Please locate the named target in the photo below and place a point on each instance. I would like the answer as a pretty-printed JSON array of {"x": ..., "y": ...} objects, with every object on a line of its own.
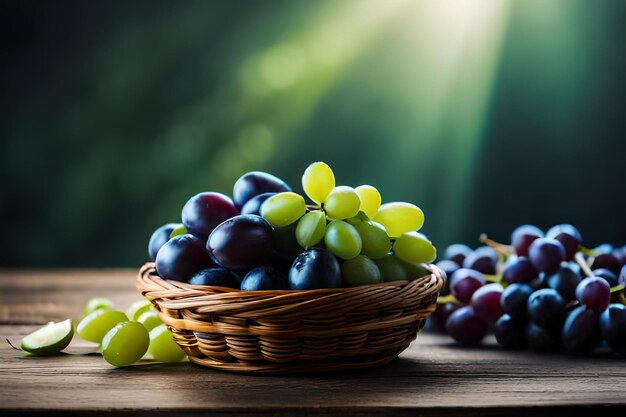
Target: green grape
[
  {"x": 370, "y": 199},
  {"x": 97, "y": 324},
  {"x": 137, "y": 308},
  {"x": 399, "y": 218},
  {"x": 311, "y": 229},
  {"x": 392, "y": 269},
  {"x": 360, "y": 271},
  {"x": 283, "y": 209},
  {"x": 414, "y": 248},
  {"x": 318, "y": 181},
  {"x": 125, "y": 343},
  {"x": 178, "y": 230},
  {"x": 285, "y": 240},
  {"x": 150, "y": 320},
  {"x": 50, "y": 339},
  {"x": 162, "y": 347},
  {"x": 375, "y": 242},
  {"x": 342, "y": 239},
  {"x": 97, "y": 303},
  {"x": 414, "y": 271},
  {"x": 342, "y": 203}
]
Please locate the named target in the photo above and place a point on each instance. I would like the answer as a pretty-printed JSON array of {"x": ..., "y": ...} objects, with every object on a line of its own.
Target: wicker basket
[{"x": 278, "y": 332}]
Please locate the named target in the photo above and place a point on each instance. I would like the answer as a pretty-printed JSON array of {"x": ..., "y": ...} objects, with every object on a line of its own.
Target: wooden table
[{"x": 432, "y": 377}]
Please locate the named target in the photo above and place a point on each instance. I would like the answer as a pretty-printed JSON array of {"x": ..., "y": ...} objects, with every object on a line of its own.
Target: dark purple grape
[
  {"x": 204, "y": 211},
  {"x": 484, "y": 259},
  {"x": 541, "y": 339},
  {"x": 486, "y": 302},
  {"x": 603, "y": 248},
  {"x": 546, "y": 307},
  {"x": 621, "y": 280},
  {"x": 242, "y": 241},
  {"x": 315, "y": 268},
  {"x": 265, "y": 278},
  {"x": 514, "y": 299},
  {"x": 255, "y": 183},
  {"x": 181, "y": 257},
  {"x": 510, "y": 332},
  {"x": 285, "y": 240},
  {"x": 159, "y": 237},
  {"x": 523, "y": 236},
  {"x": 606, "y": 261},
  {"x": 594, "y": 292},
  {"x": 581, "y": 332},
  {"x": 253, "y": 206},
  {"x": 519, "y": 270},
  {"x": 608, "y": 275},
  {"x": 457, "y": 253},
  {"x": 218, "y": 277},
  {"x": 441, "y": 314},
  {"x": 569, "y": 237},
  {"x": 620, "y": 255},
  {"x": 448, "y": 267},
  {"x": 565, "y": 280},
  {"x": 613, "y": 327},
  {"x": 546, "y": 255},
  {"x": 464, "y": 282},
  {"x": 466, "y": 327}
]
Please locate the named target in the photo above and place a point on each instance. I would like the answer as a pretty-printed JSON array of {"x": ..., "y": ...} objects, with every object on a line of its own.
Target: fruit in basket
[
  {"x": 161, "y": 235},
  {"x": 181, "y": 257},
  {"x": 318, "y": 181},
  {"x": 342, "y": 203},
  {"x": 342, "y": 239},
  {"x": 282, "y": 209},
  {"x": 370, "y": 200},
  {"x": 414, "y": 248},
  {"x": 162, "y": 346},
  {"x": 219, "y": 277},
  {"x": 93, "y": 327},
  {"x": 374, "y": 240},
  {"x": 204, "y": 211},
  {"x": 265, "y": 278},
  {"x": 125, "y": 343},
  {"x": 49, "y": 339},
  {"x": 360, "y": 271},
  {"x": 391, "y": 268},
  {"x": 315, "y": 268},
  {"x": 311, "y": 229},
  {"x": 253, "y": 206},
  {"x": 398, "y": 218},
  {"x": 256, "y": 183},
  {"x": 243, "y": 241}
]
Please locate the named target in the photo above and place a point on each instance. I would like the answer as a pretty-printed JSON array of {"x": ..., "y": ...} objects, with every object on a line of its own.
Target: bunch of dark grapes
[{"x": 545, "y": 292}]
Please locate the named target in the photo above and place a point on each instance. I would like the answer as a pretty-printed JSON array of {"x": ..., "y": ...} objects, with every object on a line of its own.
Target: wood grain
[{"x": 432, "y": 377}]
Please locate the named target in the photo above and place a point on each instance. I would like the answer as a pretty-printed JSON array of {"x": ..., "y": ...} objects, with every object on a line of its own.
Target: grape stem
[
  {"x": 580, "y": 260},
  {"x": 11, "y": 344},
  {"x": 499, "y": 247}
]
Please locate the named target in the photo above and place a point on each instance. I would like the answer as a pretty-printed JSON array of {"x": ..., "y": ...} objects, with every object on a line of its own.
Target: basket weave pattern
[{"x": 278, "y": 332}]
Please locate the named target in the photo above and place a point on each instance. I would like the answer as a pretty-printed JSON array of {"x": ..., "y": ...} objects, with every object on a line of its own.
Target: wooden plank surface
[{"x": 432, "y": 377}]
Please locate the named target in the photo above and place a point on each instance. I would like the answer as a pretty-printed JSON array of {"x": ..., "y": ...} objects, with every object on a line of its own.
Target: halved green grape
[
  {"x": 50, "y": 339},
  {"x": 414, "y": 271},
  {"x": 318, "y": 181},
  {"x": 370, "y": 199},
  {"x": 97, "y": 324},
  {"x": 342, "y": 203},
  {"x": 415, "y": 248},
  {"x": 311, "y": 229},
  {"x": 342, "y": 239},
  {"x": 150, "y": 319},
  {"x": 162, "y": 347},
  {"x": 375, "y": 242},
  {"x": 399, "y": 218},
  {"x": 283, "y": 209},
  {"x": 178, "y": 230},
  {"x": 137, "y": 308},
  {"x": 125, "y": 343},
  {"x": 360, "y": 271},
  {"x": 392, "y": 269},
  {"x": 98, "y": 303}
]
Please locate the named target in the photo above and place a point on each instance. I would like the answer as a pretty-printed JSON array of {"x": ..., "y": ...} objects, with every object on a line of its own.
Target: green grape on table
[
  {"x": 150, "y": 319},
  {"x": 98, "y": 303},
  {"x": 318, "y": 181},
  {"x": 125, "y": 343},
  {"x": 342, "y": 203},
  {"x": 370, "y": 199},
  {"x": 342, "y": 239},
  {"x": 50, "y": 339},
  {"x": 360, "y": 271},
  {"x": 392, "y": 269},
  {"x": 311, "y": 229},
  {"x": 415, "y": 248},
  {"x": 283, "y": 209},
  {"x": 162, "y": 347},
  {"x": 93, "y": 327},
  {"x": 137, "y": 308},
  {"x": 398, "y": 218},
  {"x": 375, "y": 242}
]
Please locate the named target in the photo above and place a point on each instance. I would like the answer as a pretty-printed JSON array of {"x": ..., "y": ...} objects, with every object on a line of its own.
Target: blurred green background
[{"x": 485, "y": 113}]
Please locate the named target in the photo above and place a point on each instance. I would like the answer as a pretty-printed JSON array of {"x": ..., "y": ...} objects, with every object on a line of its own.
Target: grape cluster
[
  {"x": 268, "y": 238},
  {"x": 545, "y": 292}
]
